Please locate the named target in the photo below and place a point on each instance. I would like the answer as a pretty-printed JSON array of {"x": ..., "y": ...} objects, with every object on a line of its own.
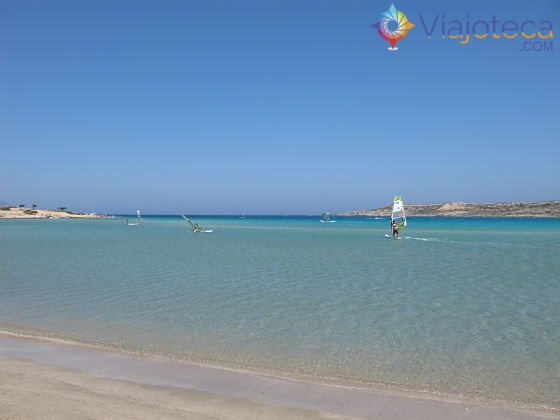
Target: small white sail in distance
[{"x": 138, "y": 217}]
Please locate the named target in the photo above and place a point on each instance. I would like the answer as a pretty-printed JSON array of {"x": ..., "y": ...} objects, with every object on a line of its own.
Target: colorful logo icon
[{"x": 393, "y": 26}]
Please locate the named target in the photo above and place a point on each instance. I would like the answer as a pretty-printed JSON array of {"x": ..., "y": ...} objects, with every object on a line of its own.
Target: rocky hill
[{"x": 509, "y": 209}]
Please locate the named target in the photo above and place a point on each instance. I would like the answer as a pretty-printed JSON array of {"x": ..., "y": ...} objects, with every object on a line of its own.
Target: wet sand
[{"x": 57, "y": 380}]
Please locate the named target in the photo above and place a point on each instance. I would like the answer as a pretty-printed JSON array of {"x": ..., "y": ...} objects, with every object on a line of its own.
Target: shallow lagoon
[{"x": 463, "y": 306}]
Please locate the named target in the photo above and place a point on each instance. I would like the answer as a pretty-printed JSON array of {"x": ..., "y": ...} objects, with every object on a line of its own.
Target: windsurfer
[{"x": 395, "y": 228}]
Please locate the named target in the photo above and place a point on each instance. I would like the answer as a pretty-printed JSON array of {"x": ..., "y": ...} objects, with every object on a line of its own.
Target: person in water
[{"x": 395, "y": 228}]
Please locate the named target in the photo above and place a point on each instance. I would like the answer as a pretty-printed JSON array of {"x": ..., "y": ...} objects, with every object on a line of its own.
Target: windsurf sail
[
  {"x": 138, "y": 217},
  {"x": 326, "y": 217},
  {"x": 195, "y": 226},
  {"x": 398, "y": 212}
]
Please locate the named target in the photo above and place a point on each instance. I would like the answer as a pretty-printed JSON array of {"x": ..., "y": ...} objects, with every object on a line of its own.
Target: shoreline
[
  {"x": 35, "y": 335},
  {"x": 257, "y": 387},
  {"x": 35, "y": 390}
]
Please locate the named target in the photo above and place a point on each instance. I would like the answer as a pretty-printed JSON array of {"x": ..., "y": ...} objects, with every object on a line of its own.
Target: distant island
[
  {"x": 509, "y": 209},
  {"x": 9, "y": 212}
]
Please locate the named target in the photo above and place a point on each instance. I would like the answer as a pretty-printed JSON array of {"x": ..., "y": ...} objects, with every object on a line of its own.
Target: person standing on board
[{"x": 395, "y": 228}]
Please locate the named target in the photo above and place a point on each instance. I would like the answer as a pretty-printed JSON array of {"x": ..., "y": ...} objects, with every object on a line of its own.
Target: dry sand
[{"x": 33, "y": 390}]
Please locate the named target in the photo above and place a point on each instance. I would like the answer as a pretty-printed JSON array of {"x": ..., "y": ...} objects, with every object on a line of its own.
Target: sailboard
[
  {"x": 326, "y": 218},
  {"x": 390, "y": 237}
]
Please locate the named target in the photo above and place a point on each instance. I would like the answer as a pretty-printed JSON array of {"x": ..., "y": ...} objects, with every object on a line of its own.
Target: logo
[
  {"x": 393, "y": 26},
  {"x": 532, "y": 35}
]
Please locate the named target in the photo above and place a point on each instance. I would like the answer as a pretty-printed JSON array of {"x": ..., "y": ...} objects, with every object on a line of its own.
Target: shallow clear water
[{"x": 463, "y": 306}]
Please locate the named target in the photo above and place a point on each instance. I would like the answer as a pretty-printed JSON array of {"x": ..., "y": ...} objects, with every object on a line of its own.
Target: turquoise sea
[{"x": 467, "y": 307}]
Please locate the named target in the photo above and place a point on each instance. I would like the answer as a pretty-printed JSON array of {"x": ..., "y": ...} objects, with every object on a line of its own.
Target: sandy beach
[
  {"x": 40, "y": 379},
  {"x": 28, "y": 213}
]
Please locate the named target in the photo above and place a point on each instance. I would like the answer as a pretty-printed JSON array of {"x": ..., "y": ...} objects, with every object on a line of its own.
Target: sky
[{"x": 270, "y": 106}]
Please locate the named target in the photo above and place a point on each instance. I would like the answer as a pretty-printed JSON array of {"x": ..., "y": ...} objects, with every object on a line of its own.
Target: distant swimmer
[{"x": 395, "y": 228}]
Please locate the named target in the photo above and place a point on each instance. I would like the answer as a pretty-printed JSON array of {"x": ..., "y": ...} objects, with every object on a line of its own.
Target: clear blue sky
[{"x": 269, "y": 106}]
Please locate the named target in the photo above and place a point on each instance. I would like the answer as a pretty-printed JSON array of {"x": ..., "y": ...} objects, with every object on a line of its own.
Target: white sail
[
  {"x": 138, "y": 217},
  {"x": 398, "y": 214}
]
